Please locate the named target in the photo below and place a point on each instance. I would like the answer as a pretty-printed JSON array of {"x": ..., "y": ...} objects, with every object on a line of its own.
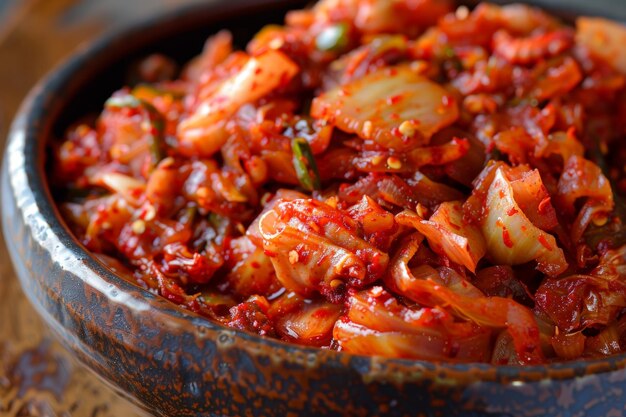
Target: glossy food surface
[
  {"x": 175, "y": 362},
  {"x": 404, "y": 179}
]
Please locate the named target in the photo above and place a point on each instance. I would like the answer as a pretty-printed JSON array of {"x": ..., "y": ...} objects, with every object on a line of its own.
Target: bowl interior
[{"x": 87, "y": 82}]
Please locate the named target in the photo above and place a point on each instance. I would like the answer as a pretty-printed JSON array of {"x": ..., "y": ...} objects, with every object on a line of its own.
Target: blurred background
[{"x": 38, "y": 378}]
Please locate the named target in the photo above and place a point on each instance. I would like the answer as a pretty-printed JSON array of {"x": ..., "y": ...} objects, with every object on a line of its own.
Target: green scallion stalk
[
  {"x": 304, "y": 163},
  {"x": 333, "y": 38},
  {"x": 155, "y": 123}
]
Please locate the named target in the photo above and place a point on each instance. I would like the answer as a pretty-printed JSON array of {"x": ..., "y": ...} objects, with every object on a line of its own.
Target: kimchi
[{"x": 400, "y": 178}]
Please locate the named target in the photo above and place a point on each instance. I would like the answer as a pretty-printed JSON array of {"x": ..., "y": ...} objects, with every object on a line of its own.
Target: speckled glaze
[{"x": 174, "y": 363}]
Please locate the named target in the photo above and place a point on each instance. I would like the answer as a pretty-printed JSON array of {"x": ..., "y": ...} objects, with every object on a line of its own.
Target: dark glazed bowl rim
[{"x": 32, "y": 127}]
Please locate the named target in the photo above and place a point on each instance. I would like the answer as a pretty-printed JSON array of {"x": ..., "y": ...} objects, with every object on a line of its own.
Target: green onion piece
[
  {"x": 119, "y": 102},
  {"x": 190, "y": 215},
  {"x": 305, "y": 165},
  {"x": 453, "y": 59},
  {"x": 332, "y": 38},
  {"x": 156, "y": 141},
  {"x": 448, "y": 52},
  {"x": 155, "y": 123}
]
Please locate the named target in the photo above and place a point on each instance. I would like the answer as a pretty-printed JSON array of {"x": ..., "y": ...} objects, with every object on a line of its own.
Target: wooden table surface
[{"x": 37, "y": 376}]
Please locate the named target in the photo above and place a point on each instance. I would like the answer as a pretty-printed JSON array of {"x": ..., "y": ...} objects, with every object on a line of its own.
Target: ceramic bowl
[{"x": 175, "y": 363}]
